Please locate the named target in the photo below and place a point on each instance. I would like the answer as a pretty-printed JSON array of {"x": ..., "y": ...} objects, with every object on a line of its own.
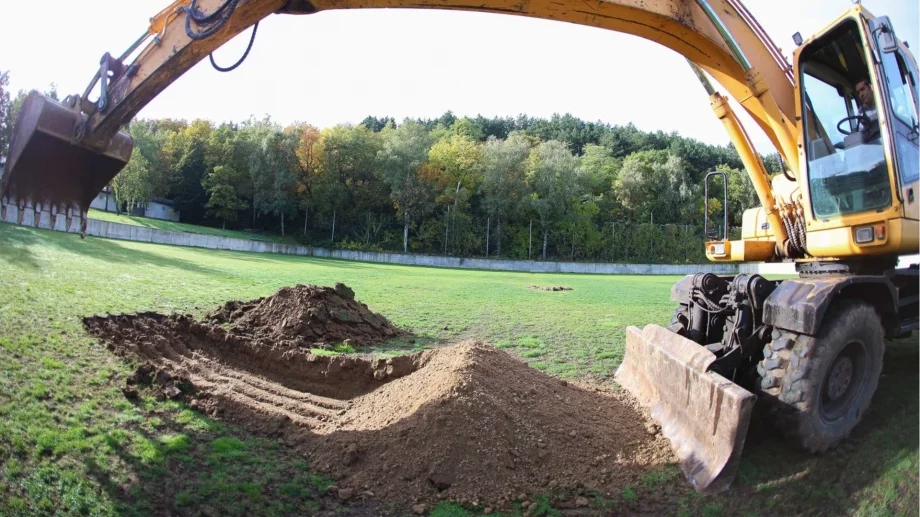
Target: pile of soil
[
  {"x": 305, "y": 315},
  {"x": 467, "y": 423},
  {"x": 474, "y": 424},
  {"x": 549, "y": 288}
]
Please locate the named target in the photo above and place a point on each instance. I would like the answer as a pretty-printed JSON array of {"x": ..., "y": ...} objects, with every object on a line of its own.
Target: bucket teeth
[
  {"x": 47, "y": 167},
  {"x": 704, "y": 415}
]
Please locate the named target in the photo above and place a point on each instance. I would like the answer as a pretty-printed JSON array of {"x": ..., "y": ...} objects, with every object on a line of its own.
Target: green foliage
[
  {"x": 629, "y": 494},
  {"x": 185, "y": 152},
  {"x": 223, "y": 201},
  {"x": 457, "y": 157},
  {"x": 337, "y": 349},
  {"x": 655, "y": 186},
  {"x": 504, "y": 168},
  {"x": 405, "y": 151},
  {"x": 553, "y": 178},
  {"x": 275, "y": 165},
  {"x": 457, "y": 186},
  {"x": 342, "y": 348},
  {"x": 350, "y": 183},
  {"x": 6, "y": 121},
  {"x": 448, "y": 509},
  {"x": 227, "y": 447}
]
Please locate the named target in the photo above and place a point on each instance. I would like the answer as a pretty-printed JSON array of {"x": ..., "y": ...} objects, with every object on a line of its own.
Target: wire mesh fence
[{"x": 465, "y": 236}]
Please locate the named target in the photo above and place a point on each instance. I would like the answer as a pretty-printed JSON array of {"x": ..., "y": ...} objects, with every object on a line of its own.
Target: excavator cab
[
  {"x": 859, "y": 132},
  {"x": 846, "y": 159}
]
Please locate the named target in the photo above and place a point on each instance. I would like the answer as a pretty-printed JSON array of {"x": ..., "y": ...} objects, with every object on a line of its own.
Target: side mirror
[{"x": 885, "y": 34}]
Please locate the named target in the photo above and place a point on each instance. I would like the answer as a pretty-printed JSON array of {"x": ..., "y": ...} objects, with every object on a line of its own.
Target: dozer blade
[
  {"x": 47, "y": 168},
  {"x": 704, "y": 415}
]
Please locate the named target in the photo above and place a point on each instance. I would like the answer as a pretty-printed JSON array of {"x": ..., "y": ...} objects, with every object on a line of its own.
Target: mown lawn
[
  {"x": 71, "y": 444},
  {"x": 160, "y": 224}
]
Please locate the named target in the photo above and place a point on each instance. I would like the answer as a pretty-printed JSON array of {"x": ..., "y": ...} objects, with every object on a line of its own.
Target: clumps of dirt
[
  {"x": 549, "y": 288},
  {"x": 305, "y": 315},
  {"x": 164, "y": 384},
  {"x": 467, "y": 423},
  {"x": 189, "y": 349}
]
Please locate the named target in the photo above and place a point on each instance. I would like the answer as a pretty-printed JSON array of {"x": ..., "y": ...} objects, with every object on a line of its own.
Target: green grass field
[
  {"x": 71, "y": 444},
  {"x": 160, "y": 224}
]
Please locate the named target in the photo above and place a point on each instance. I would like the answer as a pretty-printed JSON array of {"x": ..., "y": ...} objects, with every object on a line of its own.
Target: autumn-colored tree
[{"x": 310, "y": 158}]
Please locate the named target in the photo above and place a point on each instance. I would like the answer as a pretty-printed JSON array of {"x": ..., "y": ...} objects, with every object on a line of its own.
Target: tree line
[{"x": 525, "y": 187}]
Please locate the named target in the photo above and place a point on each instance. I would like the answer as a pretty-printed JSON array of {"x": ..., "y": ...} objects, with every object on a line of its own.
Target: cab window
[
  {"x": 847, "y": 170},
  {"x": 900, "y": 85}
]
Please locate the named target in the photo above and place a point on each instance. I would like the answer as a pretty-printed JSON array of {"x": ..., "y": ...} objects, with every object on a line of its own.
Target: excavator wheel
[{"x": 818, "y": 387}]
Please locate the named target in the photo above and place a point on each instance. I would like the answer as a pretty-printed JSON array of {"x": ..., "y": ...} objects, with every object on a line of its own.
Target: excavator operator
[
  {"x": 866, "y": 98},
  {"x": 867, "y": 108}
]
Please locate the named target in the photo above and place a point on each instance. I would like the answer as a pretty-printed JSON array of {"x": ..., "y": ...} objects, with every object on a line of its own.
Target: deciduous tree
[
  {"x": 405, "y": 150},
  {"x": 504, "y": 167},
  {"x": 552, "y": 177}
]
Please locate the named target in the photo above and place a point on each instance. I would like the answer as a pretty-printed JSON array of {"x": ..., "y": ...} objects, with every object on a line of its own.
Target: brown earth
[
  {"x": 549, "y": 288},
  {"x": 467, "y": 423},
  {"x": 305, "y": 315}
]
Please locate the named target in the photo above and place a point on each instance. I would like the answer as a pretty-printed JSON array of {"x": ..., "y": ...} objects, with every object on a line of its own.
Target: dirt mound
[
  {"x": 467, "y": 423},
  {"x": 305, "y": 315},
  {"x": 549, "y": 288},
  {"x": 473, "y": 423}
]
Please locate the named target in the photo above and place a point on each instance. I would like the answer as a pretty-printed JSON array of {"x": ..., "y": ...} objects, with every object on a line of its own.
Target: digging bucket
[
  {"x": 704, "y": 415},
  {"x": 47, "y": 167}
]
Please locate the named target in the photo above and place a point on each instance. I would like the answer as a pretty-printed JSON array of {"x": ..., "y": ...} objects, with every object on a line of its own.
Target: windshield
[{"x": 847, "y": 171}]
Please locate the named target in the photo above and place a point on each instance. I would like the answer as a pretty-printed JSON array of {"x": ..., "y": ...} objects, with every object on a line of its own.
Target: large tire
[{"x": 818, "y": 387}]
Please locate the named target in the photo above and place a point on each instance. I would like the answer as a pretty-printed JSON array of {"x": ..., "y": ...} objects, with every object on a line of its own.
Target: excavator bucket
[
  {"x": 704, "y": 415},
  {"x": 47, "y": 169}
]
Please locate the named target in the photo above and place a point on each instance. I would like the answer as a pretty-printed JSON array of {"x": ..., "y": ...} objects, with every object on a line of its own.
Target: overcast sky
[{"x": 340, "y": 66}]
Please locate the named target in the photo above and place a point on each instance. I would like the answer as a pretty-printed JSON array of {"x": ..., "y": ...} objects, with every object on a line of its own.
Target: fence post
[
  {"x": 530, "y": 240},
  {"x": 613, "y": 240},
  {"x": 488, "y": 224},
  {"x": 446, "y": 228},
  {"x": 333, "y": 226}
]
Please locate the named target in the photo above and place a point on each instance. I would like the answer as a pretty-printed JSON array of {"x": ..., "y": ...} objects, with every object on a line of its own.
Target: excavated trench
[{"x": 465, "y": 422}]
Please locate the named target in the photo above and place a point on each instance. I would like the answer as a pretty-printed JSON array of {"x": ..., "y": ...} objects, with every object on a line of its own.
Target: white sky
[{"x": 340, "y": 66}]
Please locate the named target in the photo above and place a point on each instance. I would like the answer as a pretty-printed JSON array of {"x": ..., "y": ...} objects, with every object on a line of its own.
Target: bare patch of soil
[
  {"x": 548, "y": 288},
  {"x": 467, "y": 423}
]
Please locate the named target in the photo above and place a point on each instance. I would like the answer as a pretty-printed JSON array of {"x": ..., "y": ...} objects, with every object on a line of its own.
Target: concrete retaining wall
[{"x": 110, "y": 230}]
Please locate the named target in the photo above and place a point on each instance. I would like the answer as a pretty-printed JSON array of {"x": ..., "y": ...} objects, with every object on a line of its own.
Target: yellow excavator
[{"x": 843, "y": 118}]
